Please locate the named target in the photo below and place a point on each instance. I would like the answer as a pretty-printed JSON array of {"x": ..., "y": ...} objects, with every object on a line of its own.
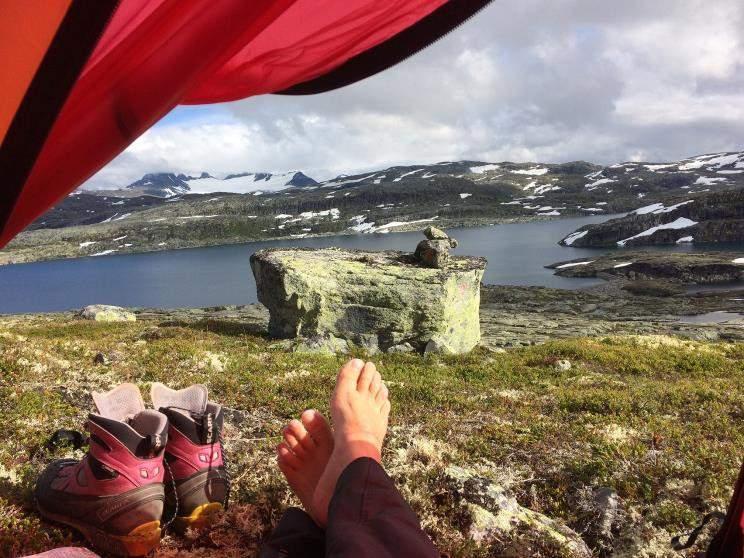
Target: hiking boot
[
  {"x": 114, "y": 495},
  {"x": 197, "y": 485}
]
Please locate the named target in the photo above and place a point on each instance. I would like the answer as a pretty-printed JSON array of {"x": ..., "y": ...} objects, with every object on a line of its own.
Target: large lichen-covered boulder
[
  {"x": 107, "y": 313},
  {"x": 377, "y": 300}
]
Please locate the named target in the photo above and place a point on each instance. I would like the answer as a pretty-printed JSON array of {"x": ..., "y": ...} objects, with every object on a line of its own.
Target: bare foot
[
  {"x": 359, "y": 409},
  {"x": 304, "y": 454}
]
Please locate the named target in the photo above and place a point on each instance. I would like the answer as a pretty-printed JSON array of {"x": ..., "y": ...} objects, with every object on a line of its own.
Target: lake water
[{"x": 222, "y": 275}]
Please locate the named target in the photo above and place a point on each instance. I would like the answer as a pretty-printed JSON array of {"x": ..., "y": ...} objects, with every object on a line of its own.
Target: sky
[{"x": 524, "y": 80}]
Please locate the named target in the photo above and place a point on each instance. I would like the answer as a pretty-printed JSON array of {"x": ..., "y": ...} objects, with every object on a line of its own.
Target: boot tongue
[
  {"x": 121, "y": 403},
  {"x": 192, "y": 399}
]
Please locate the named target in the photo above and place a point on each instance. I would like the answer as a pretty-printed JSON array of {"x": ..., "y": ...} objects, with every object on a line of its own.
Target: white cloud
[{"x": 522, "y": 81}]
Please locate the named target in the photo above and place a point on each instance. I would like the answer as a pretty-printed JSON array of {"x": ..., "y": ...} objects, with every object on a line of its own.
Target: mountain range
[
  {"x": 173, "y": 210},
  {"x": 168, "y": 184}
]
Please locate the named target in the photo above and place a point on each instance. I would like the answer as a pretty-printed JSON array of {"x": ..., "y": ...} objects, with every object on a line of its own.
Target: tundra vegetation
[{"x": 648, "y": 424}]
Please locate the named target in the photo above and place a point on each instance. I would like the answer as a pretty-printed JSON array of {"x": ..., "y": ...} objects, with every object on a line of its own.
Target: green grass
[{"x": 657, "y": 419}]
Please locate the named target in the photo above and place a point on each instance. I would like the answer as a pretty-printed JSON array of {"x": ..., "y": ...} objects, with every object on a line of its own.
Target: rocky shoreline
[
  {"x": 698, "y": 268},
  {"x": 512, "y": 316},
  {"x": 64, "y": 244}
]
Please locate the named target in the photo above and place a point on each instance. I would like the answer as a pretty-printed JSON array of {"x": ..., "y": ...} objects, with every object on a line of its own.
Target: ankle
[{"x": 353, "y": 448}]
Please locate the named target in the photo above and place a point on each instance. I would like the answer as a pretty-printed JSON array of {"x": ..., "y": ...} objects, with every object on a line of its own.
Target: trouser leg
[
  {"x": 368, "y": 517},
  {"x": 295, "y": 536}
]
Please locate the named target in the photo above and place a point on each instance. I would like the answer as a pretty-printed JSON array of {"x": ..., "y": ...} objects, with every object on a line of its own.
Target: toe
[
  {"x": 376, "y": 384},
  {"x": 286, "y": 459},
  {"x": 318, "y": 427},
  {"x": 382, "y": 394},
  {"x": 349, "y": 375},
  {"x": 366, "y": 377},
  {"x": 293, "y": 443},
  {"x": 385, "y": 409},
  {"x": 298, "y": 430}
]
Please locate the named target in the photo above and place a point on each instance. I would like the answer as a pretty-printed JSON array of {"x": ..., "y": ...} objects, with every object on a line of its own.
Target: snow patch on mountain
[
  {"x": 679, "y": 223},
  {"x": 571, "y": 238},
  {"x": 484, "y": 168},
  {"x": 535, "y": 171}
]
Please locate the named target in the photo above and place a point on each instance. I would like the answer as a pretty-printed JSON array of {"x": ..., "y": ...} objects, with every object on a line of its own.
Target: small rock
[
  {"x": 434, "y": 233},
  {"x": 402, "y": 348},
  {"x": 323, "y": 344},
  {"x": 152, "y": 333},
  {"x": 607, "y": 506},
  {"x": 433, "y": 253},
  {"x": 283, "y": 345},
  {"x": 100, "y": 358},
  {"x": 437, "y": 346},
  {"x": 600, "y": 516},
  {"x": 563, "y": 365},
  {"x": 107, "y": 313},
  {"x": 107, "y": 358}
]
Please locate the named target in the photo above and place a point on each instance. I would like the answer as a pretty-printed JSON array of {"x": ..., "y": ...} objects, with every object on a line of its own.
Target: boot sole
[
  {"x": 140, "y": 541},
  {"x": 202, "y": 516}
]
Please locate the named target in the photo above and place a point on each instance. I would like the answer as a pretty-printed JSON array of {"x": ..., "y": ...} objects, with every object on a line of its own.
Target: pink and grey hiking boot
[
  {"x": 197, "y": 485},
  {"x": 115, "y": 494}
]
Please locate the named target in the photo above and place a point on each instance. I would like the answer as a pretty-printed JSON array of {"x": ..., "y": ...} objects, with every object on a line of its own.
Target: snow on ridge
[
  {"x": 244, "y": 184},
  {"x": 658, "y": 208},
  {"x": 406, "y": 174},
  {"x": 336, "y": 182},
  {"x": 679, "y": 223},
  {"x": 593, "y": 185},
  {"x": 87, "y": 243},
  {"x": 685, "y": 239},
  {"x": 465, "y": 195},
  {"x": 654, "y": 168},
  {"x": 738, "y": 260},
  {"x": 574, "y": 264},
  {"x": 480, "y": 169},
  {"x": 623, "y": 264},
  {"x": 546, "y": 188},
  {"x": 534, "y": 171},
  {"x": 366, "y": 228},
  {"x": 705, "y": 181},
  {"x": 388, "y": 226},
  {"x": 104, "y": 253},
  {"x": 571, "y": 238}
]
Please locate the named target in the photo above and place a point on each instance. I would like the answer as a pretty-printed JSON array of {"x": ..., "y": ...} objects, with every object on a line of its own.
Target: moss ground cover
[{"x": 655, "y": 418}]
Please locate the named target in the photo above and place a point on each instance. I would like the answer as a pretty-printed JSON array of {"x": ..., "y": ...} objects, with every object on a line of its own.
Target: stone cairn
[{"x": 434, "y": 251}]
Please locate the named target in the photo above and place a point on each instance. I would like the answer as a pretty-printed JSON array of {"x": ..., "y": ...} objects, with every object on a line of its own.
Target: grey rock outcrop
[
  {"x": 377, "y": 300},
  {"x": 495, "y": 515},
  {"x": 107, "y": 313}
]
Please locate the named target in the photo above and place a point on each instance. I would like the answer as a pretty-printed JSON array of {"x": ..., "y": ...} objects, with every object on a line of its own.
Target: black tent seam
[{"x": 393, "y": 51}]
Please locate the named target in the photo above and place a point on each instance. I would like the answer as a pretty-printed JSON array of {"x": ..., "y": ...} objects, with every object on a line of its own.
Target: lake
[{"x": 221, "y": 275}]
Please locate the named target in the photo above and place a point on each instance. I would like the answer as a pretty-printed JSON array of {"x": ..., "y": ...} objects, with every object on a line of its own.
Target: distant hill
[{"x": 163, "y": 211}]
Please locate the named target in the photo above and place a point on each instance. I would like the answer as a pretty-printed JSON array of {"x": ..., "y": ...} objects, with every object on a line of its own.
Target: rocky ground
[{"x": 591, "y": 421}]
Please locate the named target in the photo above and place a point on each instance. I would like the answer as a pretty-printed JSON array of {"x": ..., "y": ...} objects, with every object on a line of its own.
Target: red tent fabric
[{"x": 112, "y": 69}]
